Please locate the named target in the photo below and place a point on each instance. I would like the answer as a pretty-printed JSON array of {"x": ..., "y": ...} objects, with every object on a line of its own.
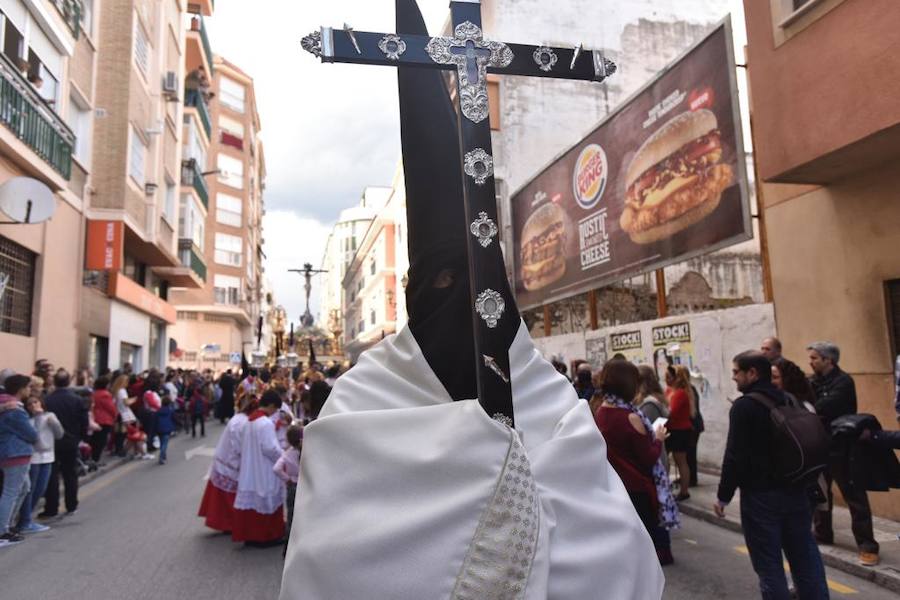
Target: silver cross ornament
[
  {"x": 472, "y": 55},
  {"x": 484, "y": 229},
  {"x": 490, "y": 306},
  {"x": 479, "y": 165},
  {"x": 392, "y": 46}
]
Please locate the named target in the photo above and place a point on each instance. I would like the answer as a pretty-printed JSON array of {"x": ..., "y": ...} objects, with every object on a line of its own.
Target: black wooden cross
[{"x": 472, "y": 57}]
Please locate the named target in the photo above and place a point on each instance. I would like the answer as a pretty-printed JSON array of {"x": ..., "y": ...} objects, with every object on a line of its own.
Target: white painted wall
[{"x": 132, "y": 327}]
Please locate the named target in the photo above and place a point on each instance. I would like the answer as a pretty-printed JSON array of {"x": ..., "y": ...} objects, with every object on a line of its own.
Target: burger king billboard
[{"x": 660, "y": 180}]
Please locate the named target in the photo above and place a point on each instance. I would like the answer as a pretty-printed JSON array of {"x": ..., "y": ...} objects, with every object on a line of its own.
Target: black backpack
[{"x": 801, "y": 444}]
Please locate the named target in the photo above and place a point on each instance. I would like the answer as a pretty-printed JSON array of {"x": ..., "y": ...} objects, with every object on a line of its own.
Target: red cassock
[
  {"x": 258, "y": 514},
  {"x": 251, "y": 526},
  {"x": 217, "y": 507}
]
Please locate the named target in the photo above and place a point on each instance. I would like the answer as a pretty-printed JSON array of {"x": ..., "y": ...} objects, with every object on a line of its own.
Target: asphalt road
[
  {"x": 712, "y": 562},
  {"x": 136, "y": 536}
]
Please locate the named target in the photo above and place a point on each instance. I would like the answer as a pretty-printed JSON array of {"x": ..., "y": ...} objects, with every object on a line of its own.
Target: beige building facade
[
  {"x": 48, "y": 64},
  {"x": 221, "y": 225},
  {"x": 133, "y": 217},
  {"x": 370, "y": 286},
  {"x": 827, "y": 158}
]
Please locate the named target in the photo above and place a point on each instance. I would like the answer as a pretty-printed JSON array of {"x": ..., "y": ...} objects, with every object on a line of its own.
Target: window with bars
[{"x": 17, "y": 267}]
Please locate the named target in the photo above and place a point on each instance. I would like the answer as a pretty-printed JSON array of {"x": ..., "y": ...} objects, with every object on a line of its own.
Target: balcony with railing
[
  {"x": 192, "y": 176},
  {"x": 194, "y": 99},
  {"x": 32, "y": 120},
  {"x": 199, "y": 50},
  {"x": 190, "y": 257}
]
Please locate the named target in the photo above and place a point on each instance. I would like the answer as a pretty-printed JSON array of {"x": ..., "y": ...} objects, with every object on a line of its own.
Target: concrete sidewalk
[{"x": 842, "y": 555}]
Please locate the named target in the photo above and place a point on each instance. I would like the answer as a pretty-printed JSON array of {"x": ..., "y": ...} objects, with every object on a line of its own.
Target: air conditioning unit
[{"x": 170, "y": 83}]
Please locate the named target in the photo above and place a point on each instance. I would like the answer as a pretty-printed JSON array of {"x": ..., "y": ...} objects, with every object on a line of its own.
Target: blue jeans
[
  {"x": 39, "y": 476},
  {"x": 776, "y": 521},
  {"x": 15, "y": 487},
  {"x": 163, "y": 446}
]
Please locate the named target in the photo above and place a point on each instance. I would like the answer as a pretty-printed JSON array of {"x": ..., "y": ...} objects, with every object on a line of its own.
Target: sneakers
[
  {"x": 34, "y": 528},
  {"x": 9, "y": 538},
  {"x": 868, "y": 559},
  {"x": 147, "y": 457}
]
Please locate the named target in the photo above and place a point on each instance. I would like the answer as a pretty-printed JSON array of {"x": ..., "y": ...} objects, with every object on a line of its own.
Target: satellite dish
[{"x": 26, "y": 200}]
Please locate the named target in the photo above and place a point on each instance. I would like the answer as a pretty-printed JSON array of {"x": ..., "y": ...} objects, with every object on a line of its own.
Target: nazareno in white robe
[{"x": 406, "y": 495}]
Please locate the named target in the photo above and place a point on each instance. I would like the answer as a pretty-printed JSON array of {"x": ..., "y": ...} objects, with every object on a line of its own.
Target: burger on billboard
[
  {"x": 675, "y": 178},
  {"x": 661, "y": 179},
  {"x": 543, "y": 247},
  {"x": 590, "y": 176}
]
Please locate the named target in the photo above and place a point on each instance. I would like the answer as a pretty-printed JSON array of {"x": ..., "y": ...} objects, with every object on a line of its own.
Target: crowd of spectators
[{"x": 54, "y": 426}]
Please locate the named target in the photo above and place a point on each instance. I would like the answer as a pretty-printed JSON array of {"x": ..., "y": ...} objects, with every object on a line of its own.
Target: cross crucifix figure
[
  {"x": 307, "y": 271},
  {"x": 472, "y": 57}
]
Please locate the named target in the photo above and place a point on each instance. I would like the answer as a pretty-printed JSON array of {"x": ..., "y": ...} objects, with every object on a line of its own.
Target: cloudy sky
[{"x": 329, "y": 130}]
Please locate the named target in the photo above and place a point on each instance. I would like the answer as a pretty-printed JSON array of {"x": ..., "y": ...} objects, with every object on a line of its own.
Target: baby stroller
[{"x": 84, "y": 464}]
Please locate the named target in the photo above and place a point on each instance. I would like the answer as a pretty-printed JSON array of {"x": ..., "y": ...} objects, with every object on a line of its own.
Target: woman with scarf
[{"x": 634, "y": 449}]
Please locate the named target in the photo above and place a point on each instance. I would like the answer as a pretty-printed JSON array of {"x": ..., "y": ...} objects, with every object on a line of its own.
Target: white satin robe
[{"x": 397, "y": 482}]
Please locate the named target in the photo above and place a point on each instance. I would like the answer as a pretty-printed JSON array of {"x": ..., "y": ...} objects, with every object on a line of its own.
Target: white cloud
[
  {"x": 292, "y": 240},
  {"x": 329, "y": 130}
]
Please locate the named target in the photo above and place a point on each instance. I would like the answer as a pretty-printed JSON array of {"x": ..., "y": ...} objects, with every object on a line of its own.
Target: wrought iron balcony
[
  {"x": 199, "y": 25},
  {"x": 72, "y": 12},
  {"x": 32, "y": 120},
  {"x": 190, "y": 257},
  {"x": 192, "y": 175},
  {"x": 194, "y": 99}
]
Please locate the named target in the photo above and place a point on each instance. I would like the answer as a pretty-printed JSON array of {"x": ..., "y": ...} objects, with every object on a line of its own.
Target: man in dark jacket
[
  {"x": 775, "y": 516},
  {"x": 836, "y": 397},
  {"x": 225, "y": 408},
  {"x": 72, "y": 413}
]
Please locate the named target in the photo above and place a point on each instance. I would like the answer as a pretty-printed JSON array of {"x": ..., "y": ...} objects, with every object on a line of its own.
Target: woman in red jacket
[
  {"x": 632, "y": 449},
  {"x": 682, "y": 408},
  {"x": 105, "y": 413}
]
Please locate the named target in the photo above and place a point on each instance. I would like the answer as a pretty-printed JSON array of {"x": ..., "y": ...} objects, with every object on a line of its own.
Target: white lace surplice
[
  {"x": 259, "y": 488},
  {"x": 223, "y": 472},
  {"x": 406, "y": 495}
]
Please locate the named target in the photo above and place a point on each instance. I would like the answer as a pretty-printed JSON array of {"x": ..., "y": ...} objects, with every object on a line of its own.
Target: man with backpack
[
  {"x": 775, "y": 508},
  {"x": 835, "y": 397}
]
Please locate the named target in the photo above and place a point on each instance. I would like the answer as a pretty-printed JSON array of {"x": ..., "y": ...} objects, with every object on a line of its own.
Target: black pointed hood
[
  {"x": 440, "y": 318},
  {"x": 431, "y": 157}
]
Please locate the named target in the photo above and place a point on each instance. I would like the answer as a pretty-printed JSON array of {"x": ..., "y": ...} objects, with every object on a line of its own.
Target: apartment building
[
  {"x": 220, "y": 232},
  {"x": 370, "y": 287},
  {"x": 131, "y": 232},
  {"x": 48, "y": 65},
  {"x": 340, "y": 250},
  {"x": 827, "y": 129}
]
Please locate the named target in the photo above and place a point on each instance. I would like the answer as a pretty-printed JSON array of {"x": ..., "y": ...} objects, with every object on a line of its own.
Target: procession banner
[{"x": 660, "y": 180}]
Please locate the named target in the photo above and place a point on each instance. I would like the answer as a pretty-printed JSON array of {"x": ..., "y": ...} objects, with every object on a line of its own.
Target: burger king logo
[{"x": 589, "y": 179}]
